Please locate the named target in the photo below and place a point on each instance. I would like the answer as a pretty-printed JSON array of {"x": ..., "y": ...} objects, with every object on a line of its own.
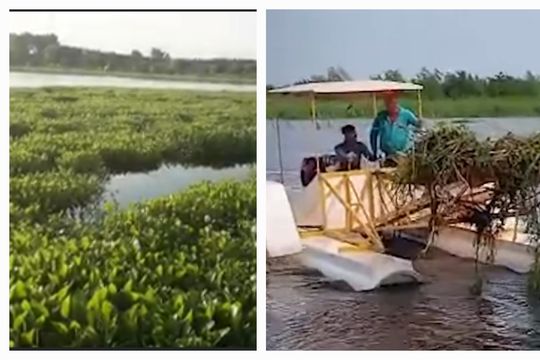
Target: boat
[{"x": 337, "y": 222}]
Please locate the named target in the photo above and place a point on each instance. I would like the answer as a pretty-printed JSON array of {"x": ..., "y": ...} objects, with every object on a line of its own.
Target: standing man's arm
[
  {"x": 364, "y": 151},
  {"x": 414, "y": 121},
  {"x": 374, "y": 136}
]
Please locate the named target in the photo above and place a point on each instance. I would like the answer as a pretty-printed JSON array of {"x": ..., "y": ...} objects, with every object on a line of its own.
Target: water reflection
[{"x": 134, "y": 187}]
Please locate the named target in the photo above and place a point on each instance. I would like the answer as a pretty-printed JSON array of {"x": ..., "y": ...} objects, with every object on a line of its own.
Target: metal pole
[
  {"x": 314, "y": 120},
  {"x": 375, "y": 112},
  {"x": 279, "y": 151},
  {"x": 419, "y": 99}
]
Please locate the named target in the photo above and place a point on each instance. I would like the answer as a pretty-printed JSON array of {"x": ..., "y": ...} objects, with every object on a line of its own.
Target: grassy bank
[
  {"x": 177, "y": 271},
  {"x": 299, "y": 108},
  {"x": 191, "y": 78}
]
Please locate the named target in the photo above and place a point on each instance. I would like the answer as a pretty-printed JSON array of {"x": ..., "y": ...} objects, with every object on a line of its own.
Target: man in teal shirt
[{"x": 393, "y": 128}]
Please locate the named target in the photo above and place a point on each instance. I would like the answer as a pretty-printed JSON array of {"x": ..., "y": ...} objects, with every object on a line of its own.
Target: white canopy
[{"x": 348, "y": 87}]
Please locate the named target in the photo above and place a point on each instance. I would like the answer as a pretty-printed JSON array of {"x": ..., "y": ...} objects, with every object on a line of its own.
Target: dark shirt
[{"x": 358, "y": 147}]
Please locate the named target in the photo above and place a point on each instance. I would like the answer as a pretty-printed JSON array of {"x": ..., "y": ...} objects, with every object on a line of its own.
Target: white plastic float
[
  {"x": 514, "y": 254},
  {"x": 360, "y": 268},
  {"x": 281, "y": 235}
]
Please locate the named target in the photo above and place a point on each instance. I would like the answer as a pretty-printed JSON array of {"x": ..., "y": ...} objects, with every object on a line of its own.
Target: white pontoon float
[{"x": 337, "y": 222}]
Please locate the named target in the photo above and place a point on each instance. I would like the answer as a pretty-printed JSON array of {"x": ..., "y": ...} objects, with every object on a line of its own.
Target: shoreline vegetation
[
  {"x": 46, "y": 54},
  {"x": 294, "y": 108},
  {"x": 445, "y": 95}
]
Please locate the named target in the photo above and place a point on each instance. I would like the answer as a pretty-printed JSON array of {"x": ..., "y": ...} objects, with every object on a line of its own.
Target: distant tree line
[
  {"x": 455, "y": 85},
  {"x": 46, "y": 51}
]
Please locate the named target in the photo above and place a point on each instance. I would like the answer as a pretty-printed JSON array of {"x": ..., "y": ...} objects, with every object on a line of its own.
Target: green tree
[
  {"x": 431, "y": 81},
  {"x": 51, "y": 54},
  {"x": 45, "y": 50}
]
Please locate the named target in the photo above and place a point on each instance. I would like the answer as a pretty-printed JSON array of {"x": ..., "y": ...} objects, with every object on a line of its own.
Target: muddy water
[{"x": 306, "y": 312}]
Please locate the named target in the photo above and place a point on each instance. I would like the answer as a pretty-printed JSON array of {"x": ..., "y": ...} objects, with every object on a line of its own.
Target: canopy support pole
[
  {"x": 279, "y": 151},
  {"x": 313, "y": 107},
  {"x": 314, "y": 120},
  {"x": 374, "y": 101},
  {"x": 419, "y": 98}
]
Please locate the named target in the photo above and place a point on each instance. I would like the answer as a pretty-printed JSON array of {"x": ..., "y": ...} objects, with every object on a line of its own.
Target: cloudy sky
[
  {"x": 188, "y": 35},
  {"x": 367, "y": 42}
]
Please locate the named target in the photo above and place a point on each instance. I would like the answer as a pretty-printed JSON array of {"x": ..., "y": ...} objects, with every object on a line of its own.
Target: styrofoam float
[
  {"x": 514, "y": 254},
  {"x": 360, "y": 269}
]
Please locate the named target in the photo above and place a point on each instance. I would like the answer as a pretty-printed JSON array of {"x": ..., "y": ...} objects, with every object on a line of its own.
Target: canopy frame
[{"x": 346, "y": 89}]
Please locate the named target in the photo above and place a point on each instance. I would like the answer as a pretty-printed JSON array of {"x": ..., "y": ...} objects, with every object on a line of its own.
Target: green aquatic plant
[
  {"x": 174, "y": 272},
  {"x": 55, "y": 191},
  {"x": 131, "y": 130},
  {"x": 152, "y": 275}
]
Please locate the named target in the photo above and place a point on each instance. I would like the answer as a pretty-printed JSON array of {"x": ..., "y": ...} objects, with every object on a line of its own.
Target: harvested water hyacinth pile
[{"x": 452, "y": 155}]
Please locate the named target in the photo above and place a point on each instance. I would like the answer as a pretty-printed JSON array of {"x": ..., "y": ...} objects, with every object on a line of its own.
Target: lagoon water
[
  {"x": 36, "y": 80},
  {"x": 304, "y": 311},
  {"x": 135, "y": 187}
]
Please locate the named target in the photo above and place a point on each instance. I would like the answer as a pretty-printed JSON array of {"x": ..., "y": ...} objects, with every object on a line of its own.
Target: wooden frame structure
[
  {"x": 359, "y": 206},
  {"x": 359, "y": 202}
]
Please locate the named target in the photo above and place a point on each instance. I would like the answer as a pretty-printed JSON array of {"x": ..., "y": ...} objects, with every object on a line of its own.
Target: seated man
[
  {"x": 393, "y": 128},
  {"x": 350, "y": 151}
]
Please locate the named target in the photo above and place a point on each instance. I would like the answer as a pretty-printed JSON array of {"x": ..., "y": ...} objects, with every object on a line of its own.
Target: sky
[
  {"x": 368, "y": 42},
  {"x": 182, "y": 35}
]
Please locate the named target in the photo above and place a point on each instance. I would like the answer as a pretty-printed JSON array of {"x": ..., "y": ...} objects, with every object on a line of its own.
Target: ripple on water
[{"x": 306, "y": 312}]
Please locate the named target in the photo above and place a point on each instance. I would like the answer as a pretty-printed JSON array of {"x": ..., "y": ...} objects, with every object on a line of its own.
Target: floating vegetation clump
[
  {"x": 173, "y": 272},
  {"x": 449, "y": 162},
  {"x": 129, "y": 130},
  {"x": 443, "y": 156}
]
